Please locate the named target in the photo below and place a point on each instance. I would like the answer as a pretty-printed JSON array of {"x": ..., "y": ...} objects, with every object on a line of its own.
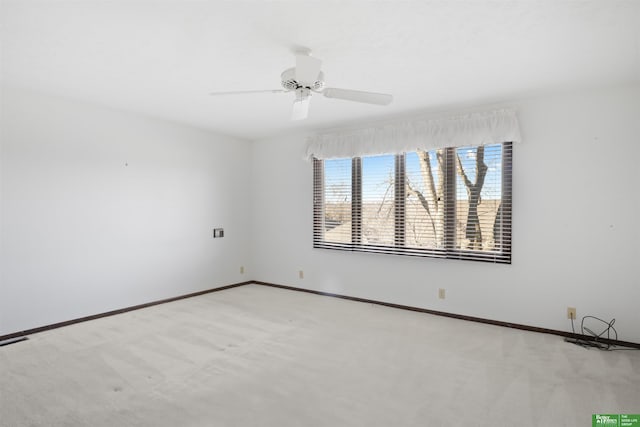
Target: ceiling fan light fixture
[{"x": 301, "y": 104}]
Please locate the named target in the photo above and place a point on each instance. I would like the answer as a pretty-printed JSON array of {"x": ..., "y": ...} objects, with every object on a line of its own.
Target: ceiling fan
[{"x": 305, "y": 79}]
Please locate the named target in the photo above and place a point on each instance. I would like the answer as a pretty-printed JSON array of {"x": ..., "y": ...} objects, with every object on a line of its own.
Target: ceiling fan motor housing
[{"x": 289, "y": 81}]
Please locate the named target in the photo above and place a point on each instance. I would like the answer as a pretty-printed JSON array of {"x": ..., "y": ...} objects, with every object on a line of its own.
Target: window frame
[{"x": 501, "y": 255}]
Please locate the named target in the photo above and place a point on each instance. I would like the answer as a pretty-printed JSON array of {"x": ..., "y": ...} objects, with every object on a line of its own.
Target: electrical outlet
[
  {"x": 441, "y": 293},
  {"x": 301, "y": 274},
  {"x": 571, "y": 312},
  {"x": 242, "y": 269}
]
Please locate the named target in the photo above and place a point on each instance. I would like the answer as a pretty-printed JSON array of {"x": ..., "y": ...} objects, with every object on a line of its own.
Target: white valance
[{"x": 469, "y": 130}]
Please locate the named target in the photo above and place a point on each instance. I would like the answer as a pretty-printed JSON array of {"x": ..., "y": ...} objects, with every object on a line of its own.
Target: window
[{"x": 447, "y": 203}]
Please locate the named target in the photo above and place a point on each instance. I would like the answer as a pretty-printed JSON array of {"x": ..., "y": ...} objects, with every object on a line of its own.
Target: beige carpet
[{"x": 259, "y": 356}]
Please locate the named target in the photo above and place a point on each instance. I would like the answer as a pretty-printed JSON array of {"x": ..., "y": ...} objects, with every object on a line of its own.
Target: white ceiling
[{"x": 162, "y": 58}]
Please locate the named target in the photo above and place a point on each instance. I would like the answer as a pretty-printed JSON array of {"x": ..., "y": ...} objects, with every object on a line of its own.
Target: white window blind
[{"x": 449, "y": 203}]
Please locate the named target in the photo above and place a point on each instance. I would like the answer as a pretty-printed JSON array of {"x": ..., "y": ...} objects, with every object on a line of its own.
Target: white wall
[
  {"x": 82, "y": 233},
  {"x": 103, "y": 210},
  {"x": 575, "y": 235}
]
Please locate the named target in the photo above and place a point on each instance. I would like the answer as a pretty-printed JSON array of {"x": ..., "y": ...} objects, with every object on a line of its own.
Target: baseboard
[
  {"x": 328, "y": 294},
  {"x": 114, "y": 312},
  {"x": 459, "y": 316}
]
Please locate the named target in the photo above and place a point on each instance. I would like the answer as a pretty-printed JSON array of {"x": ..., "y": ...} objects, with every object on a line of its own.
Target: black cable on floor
[
  {"x": 12, "y": 341},
  {"x": 596, "y": 337}
]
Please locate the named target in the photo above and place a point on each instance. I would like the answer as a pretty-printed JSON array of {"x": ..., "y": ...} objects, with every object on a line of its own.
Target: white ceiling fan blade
[
  {"x": 300, "y": 108},
  {"x": 245, "y": 92},
  {"x": 358, "y": 96},
  {"x": 307, "y": 69}
]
